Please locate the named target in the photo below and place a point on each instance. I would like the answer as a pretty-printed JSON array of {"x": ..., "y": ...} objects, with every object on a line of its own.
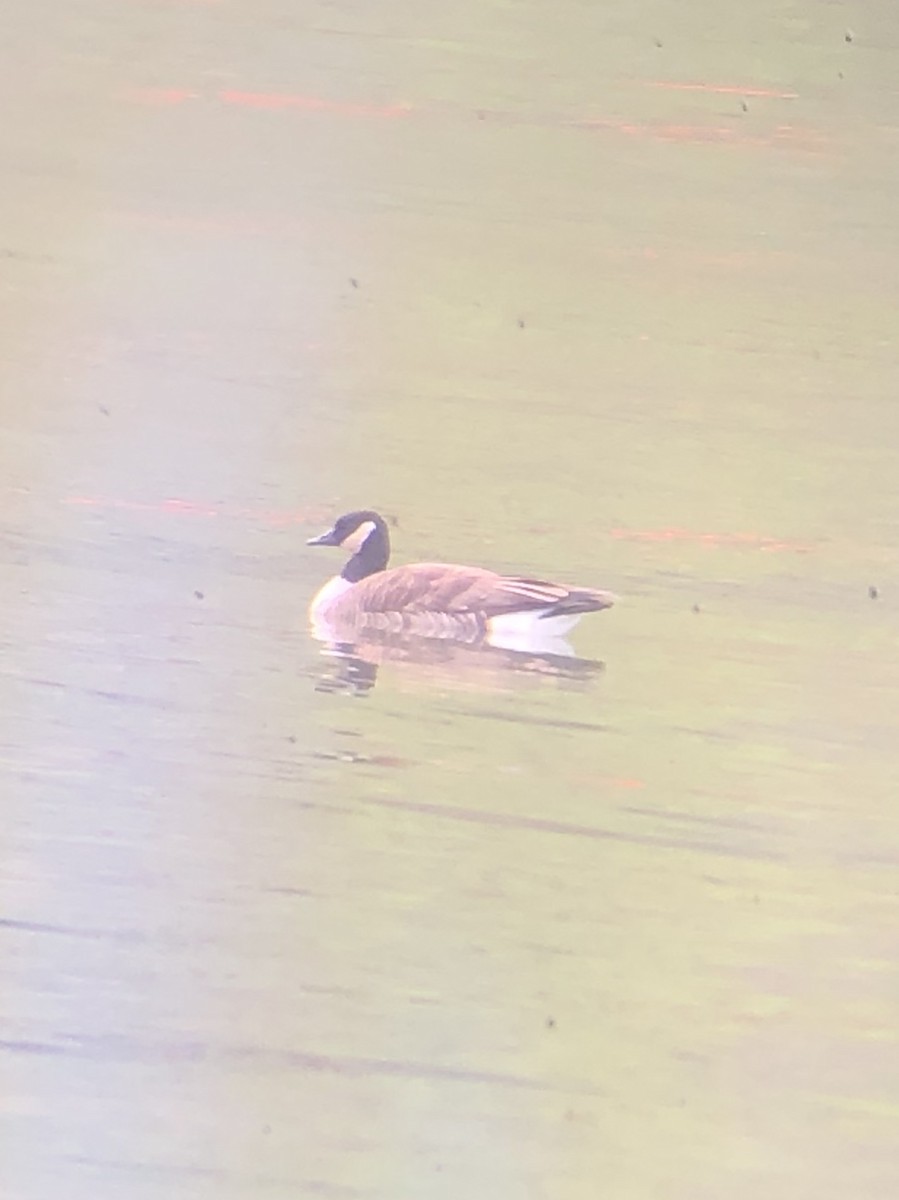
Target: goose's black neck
[{"x": 374, "y": 553}]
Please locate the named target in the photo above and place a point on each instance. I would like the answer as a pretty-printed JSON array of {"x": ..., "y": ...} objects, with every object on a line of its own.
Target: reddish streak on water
[
  {"x": 178, "y": 506},
  {"x": 807, "y": 140},
  {"x": 788, "y": 136},
  {"x": 274, "y": 100},
  {"x": 163, "y": 96},
  {"x": 730, "y": 541},
  {"x": 726, "y": 89}
]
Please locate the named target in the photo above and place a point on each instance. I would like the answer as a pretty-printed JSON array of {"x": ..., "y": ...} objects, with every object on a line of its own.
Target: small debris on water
[
  {"x": 350, "y": 756},
  {"x": 744, "y": 106},
  {"x": 849, "y": 35},
  {"x": 873, "y": 593},
  {"x": 520, "y": 323},
  {"x": 696, "y": 608},
  {"x": 199, "y": 595},
  {"x": 354, "y": 282},
  {"x": 550, "y": 1022}
]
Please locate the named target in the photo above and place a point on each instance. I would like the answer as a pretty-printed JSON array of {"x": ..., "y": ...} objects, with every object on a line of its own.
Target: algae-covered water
[{"x": 600, "y": 295}]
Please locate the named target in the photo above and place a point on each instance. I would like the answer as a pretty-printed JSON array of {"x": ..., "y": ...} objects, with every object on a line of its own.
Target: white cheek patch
[{"x": 358, "y": 536}]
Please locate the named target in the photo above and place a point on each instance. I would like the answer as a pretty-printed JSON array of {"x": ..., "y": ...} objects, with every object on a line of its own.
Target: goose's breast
[{"x": 328, "y": 596}]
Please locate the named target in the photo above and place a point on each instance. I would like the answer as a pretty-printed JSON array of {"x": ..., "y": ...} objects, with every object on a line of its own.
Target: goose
[{"x": 438, "y": 599}]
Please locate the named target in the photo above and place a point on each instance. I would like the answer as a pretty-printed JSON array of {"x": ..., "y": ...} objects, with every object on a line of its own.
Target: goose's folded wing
[
  {"x": 514, "y": 593},
  {"x": 424, "y": 587},
  {"x": 446, "y": 588}
]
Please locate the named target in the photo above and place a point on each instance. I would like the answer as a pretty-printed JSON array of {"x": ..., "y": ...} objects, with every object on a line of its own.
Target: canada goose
[{"x": 437, "y": 599}]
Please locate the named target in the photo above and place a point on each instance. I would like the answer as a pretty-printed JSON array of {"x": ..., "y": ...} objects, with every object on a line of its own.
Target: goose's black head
[{"x": 365, "y": 534}]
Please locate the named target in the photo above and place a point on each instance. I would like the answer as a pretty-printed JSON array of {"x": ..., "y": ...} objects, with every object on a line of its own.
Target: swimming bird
[{"x": 438, "y": 599}]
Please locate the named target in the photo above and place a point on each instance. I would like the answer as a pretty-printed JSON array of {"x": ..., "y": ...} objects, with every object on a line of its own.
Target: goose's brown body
[
  {"x": 456, "y": 591},
  {"x": 436, "y": 599}
]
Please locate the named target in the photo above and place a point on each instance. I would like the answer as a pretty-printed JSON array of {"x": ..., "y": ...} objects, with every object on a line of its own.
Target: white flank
[
  {"x": 531, "y": 622},
  {"x": 527, "y": 634}
]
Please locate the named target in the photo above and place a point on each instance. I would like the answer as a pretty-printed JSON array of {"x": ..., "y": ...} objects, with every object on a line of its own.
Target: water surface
[{"x": 602, "y": 297}]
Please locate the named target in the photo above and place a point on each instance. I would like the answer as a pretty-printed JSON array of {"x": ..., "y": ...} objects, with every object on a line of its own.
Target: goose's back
[{"x": 460, "y": 591}]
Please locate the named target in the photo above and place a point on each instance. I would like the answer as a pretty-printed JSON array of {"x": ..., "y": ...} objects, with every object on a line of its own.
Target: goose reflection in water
[{"x": 355, "y": 657}]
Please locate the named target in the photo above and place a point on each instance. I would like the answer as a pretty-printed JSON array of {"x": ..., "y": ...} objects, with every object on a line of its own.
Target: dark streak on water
[
  {"x": 127, "y": 1050},
  {"x": 519, "y": 718},
  {"x": 544, "y": 825}
]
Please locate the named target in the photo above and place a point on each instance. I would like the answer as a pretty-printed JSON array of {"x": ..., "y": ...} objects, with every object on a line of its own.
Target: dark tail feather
[{"x": 580, "y": 600}]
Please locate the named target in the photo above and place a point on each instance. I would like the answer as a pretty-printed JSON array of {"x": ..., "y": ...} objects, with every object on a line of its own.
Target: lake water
[{"x": 602, "y": 295}]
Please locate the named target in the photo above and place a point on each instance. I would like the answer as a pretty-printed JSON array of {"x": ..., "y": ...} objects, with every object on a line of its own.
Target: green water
[{"x": 476, "y": 931}]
